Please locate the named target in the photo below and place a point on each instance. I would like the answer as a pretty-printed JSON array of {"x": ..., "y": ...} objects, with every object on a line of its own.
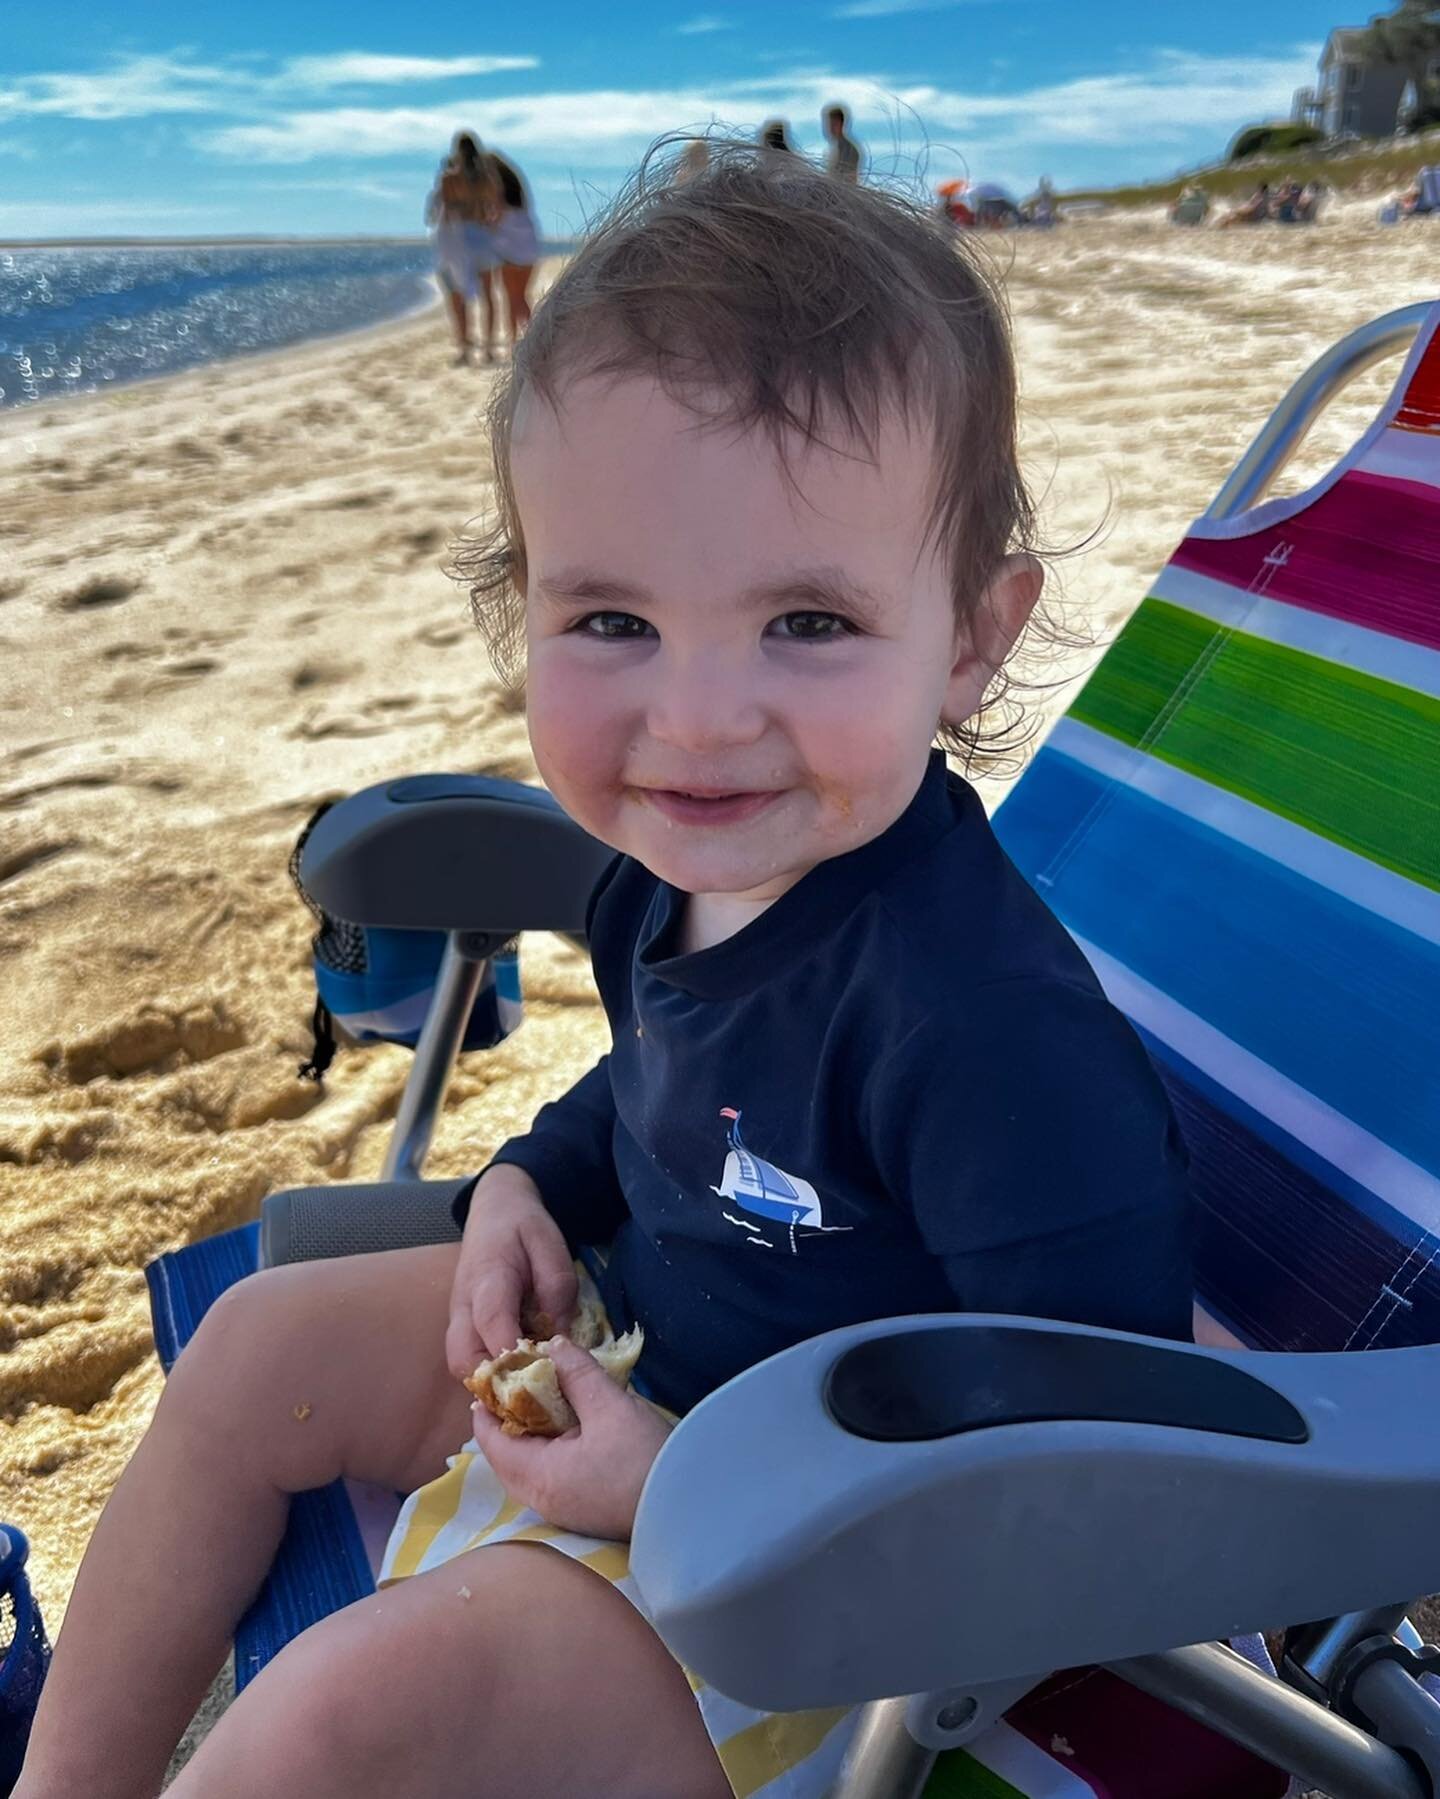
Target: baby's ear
[{"x": 987, "y": 637}]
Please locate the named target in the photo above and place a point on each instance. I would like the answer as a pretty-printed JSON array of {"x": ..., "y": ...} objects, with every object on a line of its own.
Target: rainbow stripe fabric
[{"x": 1239, "y": 821}]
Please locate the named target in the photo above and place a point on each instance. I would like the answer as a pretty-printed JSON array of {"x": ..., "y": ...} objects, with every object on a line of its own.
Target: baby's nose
[{"x": 704, "y": 705}]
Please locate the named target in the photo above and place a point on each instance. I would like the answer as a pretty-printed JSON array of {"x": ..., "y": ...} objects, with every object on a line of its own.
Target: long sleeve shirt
[{"x": 898, "y": 1089}]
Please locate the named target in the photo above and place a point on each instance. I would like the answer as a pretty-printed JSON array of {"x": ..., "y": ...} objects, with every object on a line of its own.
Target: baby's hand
[
  {"x": 513, "y": 1255},
  {"x": 588, "y": 1480}
]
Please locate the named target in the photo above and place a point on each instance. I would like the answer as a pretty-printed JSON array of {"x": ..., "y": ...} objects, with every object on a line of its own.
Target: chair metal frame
[{"x": 1361, "y": 1666}]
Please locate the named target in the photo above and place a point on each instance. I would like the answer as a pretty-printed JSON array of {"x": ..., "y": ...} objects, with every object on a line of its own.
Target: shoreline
[
  {"x": 44, "y": 411},
  {"x": 48, "y": 412}
]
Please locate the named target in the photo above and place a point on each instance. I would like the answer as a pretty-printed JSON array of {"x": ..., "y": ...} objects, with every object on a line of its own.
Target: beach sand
[{"x": 221, "y": 601}]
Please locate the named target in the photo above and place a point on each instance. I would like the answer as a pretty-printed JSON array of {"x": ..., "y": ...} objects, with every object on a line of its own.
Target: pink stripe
[{"x": 1367, "y": 551}]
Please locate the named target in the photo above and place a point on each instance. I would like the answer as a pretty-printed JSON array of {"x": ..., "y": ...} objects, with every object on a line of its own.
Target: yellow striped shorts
[{"x": 765, "y": 1755}]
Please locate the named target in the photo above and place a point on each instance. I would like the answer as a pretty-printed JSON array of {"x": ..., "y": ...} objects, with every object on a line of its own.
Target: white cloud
[
  {"x": 138, "y": 86},
  {"x": 559, "y": 123},
  {"x": 135, "y": 87},
  {"x": 1166, "y": 100},
  {"x": 706, "y": 21},
  {"x": 354, "y": 68}
]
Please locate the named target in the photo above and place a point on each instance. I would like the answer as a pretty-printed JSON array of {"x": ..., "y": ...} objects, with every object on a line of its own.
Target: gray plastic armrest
[
  {"x": 453, "y": 853},
  {"x": 307, "y": 1224},
  {"x": 793, "y": 1563}
]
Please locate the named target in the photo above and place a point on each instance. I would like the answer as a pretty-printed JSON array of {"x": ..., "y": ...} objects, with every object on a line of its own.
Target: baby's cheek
[
  {"x": 576, "y": 740},
  {"x": 866, "y": 773}
]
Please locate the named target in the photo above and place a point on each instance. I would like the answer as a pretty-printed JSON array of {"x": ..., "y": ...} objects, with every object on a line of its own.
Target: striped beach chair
[{"x": 1240, "y": 821}]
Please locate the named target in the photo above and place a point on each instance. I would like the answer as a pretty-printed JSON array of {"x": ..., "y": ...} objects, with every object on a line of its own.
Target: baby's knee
[{"x": 249, "y": 1333}]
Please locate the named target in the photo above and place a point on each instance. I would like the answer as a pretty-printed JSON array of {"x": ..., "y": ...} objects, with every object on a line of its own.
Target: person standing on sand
[
  {"x": 516, "y": 242},
  {"x": 843, "y": 161},
  {"x": 463, "y": 207},
  {"x": 775, "y": 136}
]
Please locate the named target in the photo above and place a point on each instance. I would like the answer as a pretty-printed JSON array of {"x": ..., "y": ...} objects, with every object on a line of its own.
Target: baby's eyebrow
[
  {"x": 591, "y": 589},
  {"x": 822, "y": 589}
]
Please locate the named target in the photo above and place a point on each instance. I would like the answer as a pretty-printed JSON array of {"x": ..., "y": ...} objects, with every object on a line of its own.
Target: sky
[{"x": 190, "y": 119}]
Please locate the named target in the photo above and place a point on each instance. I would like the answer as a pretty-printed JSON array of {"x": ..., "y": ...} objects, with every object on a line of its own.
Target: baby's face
[{"x": 733, "y": 673}]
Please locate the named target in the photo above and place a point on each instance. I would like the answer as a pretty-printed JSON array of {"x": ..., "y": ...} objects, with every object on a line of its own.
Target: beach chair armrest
[
  {"x": 307, "y": 1224},
  {"x": 453, "y": 853},
  {"x": 942, "y": 1501}
]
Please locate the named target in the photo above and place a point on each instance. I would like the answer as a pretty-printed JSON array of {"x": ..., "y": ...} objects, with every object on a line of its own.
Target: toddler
[{"x": 763, "y": 534}]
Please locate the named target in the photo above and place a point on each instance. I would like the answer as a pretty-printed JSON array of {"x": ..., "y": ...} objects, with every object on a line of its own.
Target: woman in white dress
[
  {"x": 463, "y": 207},
  {"x": 517, "y": 244}
]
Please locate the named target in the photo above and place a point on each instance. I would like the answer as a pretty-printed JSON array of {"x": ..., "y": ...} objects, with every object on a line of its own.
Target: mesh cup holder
[{"x": 24, "y": 1655}]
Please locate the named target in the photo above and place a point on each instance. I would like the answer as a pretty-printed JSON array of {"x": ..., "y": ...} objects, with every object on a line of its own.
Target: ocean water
[{"x": 76, "y": 320}]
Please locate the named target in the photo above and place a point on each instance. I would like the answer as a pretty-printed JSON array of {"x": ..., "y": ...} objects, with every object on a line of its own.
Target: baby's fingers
[
  {"x": 463, "y": 1348},
  {"x": 552, "y": 1273},
  {"x": 496, "y": 1292}
]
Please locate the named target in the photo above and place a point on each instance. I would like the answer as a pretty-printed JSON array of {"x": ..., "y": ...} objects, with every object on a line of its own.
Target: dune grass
[{"x": 1366, "y": 168}]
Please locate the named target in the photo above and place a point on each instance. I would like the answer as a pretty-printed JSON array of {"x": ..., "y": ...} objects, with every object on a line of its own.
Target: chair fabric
[{"x": 1239, "y": 821}]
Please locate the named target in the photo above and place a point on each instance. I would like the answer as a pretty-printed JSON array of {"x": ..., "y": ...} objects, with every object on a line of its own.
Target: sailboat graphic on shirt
[{"x": 765, "y": 1191}]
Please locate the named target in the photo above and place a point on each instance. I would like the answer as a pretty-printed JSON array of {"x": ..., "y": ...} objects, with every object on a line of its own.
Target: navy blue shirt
[{"x": 898, "y": 1089}]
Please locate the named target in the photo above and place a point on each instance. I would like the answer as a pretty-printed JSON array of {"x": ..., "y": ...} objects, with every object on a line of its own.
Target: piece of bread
[{"x": 522, "y": 1388}]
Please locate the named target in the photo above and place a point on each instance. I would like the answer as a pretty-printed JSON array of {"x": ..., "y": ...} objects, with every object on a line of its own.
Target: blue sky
[{"x": 269, "y": 117}]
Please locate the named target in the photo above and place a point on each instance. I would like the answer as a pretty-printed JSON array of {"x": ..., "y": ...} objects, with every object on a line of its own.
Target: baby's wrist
[{"x": 503, "y": 1183}]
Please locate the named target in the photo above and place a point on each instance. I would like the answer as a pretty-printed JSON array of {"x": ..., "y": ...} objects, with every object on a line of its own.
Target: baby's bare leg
[
  {"x": 296, "y": 1376},
  {"x": 544, "y": 1680}
]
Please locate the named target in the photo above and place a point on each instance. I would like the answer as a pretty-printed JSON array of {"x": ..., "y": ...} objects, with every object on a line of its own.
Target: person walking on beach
[
  {"x": 516, "y": 242},
  {"x": 463, "y": 206},
  {"x": 775, "y": 136},
  {"x": 843, "y": 161}
]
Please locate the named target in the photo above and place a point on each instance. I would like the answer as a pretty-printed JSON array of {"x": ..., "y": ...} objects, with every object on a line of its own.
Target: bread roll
[{"x": 522, "y": 1388}]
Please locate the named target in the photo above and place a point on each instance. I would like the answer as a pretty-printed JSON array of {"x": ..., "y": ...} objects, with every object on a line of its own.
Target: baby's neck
[{"x": 709, "y": 918}]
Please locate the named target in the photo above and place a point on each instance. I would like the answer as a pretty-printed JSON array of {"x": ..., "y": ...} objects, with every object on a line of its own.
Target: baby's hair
[{"x": 767, "y": 295}]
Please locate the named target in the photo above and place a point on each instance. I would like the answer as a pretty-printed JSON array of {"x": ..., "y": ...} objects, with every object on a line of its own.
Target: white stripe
[
  {"x": 1316, "y": 633},
  {"x": 1015, "y": 1758},
  {"x": 1403, "y": 456},
  {"x": 1330, "y": 865},
  {"x": 1401, "y": 1183}
]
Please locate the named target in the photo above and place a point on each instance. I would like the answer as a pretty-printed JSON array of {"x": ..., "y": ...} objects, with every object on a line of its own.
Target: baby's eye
[
  {"x": 813, "y": 627},
  {"x": 611, "y": 625}
]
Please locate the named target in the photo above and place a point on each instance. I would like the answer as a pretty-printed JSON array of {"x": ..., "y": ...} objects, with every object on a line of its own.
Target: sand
[{"x": 221, "y": 600}]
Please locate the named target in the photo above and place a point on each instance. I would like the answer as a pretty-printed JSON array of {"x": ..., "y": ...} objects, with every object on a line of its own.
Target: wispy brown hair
[{"x": 795, "y": 304}]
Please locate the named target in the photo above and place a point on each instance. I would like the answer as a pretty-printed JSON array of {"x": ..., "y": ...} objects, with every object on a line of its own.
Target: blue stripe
[
  {"x": 1342, "y": 1002},
  {"x": 1287, "y": 1256},
  {"x": 1396, "y": 1226}
]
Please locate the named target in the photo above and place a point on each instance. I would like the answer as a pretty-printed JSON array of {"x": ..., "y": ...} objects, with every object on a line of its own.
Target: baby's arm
[{"x": 1037, "y": 1151}]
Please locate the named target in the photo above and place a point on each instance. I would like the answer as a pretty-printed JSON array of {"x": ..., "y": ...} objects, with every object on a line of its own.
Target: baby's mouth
[{"x": 693, "y": 806}]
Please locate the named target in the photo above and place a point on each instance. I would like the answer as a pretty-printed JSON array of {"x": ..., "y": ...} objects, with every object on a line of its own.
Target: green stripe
[
  {"x": 1351, "y": 757},
  {"x": 959, "y": 1776}
]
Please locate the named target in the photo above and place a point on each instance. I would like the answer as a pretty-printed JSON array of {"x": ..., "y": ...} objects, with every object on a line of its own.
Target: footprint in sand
[
  {"x": 19, "y": 862},
  {"x": 11, "y": 586},
  {"x": 101, "y": 590},
  {"x": 319, "y": 674},
  {"x": 440, "y": 637},
  {"x": 199, "y": 665},
  {"x": 153, "y": 1039}
]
